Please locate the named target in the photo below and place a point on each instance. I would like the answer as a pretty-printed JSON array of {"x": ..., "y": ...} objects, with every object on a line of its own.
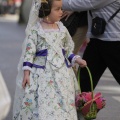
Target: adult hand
[{"x": 67, "y": 14}]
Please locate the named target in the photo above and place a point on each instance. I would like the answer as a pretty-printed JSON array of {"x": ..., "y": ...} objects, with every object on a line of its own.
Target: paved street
[{"x": 11, "y": 38}]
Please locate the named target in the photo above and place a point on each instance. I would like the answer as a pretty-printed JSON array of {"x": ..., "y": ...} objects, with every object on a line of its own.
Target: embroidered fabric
[
  {"x": 43, "y": 32},
  {"x": 51, "y": 30},
  {"x": 72, "y": 63}
]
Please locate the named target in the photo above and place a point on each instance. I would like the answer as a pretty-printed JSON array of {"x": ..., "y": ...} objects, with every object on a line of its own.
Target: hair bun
[{"x": 45, "y": 8}]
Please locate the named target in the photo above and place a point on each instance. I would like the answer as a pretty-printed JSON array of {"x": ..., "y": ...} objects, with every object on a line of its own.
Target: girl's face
[{"x": 56, "y": 11}]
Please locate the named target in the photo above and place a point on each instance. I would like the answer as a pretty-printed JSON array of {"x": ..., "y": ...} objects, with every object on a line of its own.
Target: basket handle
[{"x": 91, "y": 81}]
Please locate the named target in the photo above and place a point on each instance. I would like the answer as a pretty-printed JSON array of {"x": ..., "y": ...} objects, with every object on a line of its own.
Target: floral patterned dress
[{"x": 53, "y": 85}]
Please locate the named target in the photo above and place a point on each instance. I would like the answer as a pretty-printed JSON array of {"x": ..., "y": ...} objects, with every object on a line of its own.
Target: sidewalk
[
  {"x": 9, "y": 18},
  {"x": 111, "y": 91}
]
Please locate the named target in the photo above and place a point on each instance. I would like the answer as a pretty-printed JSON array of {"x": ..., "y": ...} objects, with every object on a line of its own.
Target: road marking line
[
  {"x": 116, "y": 98},
  {"x": 108, "y": 89}
]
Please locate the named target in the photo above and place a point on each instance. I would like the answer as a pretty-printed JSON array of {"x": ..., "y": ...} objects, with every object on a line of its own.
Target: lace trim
[{"x": 74, "y": 59}]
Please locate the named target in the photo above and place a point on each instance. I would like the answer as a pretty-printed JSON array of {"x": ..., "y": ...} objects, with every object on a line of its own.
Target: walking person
[
  {"x": 46, "y": 83},
  {"x": 77, "y": 27},
  {"x": 103, "y": 50}
]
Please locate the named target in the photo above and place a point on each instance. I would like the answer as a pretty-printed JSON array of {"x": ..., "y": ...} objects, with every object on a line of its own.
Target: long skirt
[{"x": 50, "y": 96}]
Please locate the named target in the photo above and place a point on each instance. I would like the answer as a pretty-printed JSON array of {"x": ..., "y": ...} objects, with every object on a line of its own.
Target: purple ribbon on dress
[
  {"x": 42, "y": 53},
  {"x": 39, "y": 53},
  {"x": 71, "y": 57},
  {"x": 28, "y": 64}
]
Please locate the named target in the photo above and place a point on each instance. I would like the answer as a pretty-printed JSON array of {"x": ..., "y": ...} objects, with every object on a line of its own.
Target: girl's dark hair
[{"x": 45, "y": 8}]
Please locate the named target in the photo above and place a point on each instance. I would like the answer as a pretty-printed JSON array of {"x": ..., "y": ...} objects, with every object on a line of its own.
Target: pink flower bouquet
[{"x": 88, "y": 104}]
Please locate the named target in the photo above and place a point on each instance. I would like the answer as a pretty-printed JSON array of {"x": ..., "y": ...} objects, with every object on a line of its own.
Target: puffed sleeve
[
  {"x": 69, "y": 48},
  {"x": 30, "y": 50}
]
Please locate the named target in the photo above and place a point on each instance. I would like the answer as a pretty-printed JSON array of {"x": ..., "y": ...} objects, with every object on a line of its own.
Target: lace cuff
[
  {"x": 27, "y": 68},
  {"x": 74, "y": 59}
]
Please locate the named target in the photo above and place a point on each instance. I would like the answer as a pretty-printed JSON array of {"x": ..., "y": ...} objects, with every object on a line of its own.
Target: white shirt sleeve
[{"x": 82, "y": 5}]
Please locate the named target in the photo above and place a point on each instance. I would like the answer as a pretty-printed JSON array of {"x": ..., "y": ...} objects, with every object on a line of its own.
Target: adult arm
[{"x": 81, "y": 5}]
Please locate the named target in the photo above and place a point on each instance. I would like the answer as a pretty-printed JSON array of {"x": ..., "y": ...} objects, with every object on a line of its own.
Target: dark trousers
[{"x": 99, "y": 55}]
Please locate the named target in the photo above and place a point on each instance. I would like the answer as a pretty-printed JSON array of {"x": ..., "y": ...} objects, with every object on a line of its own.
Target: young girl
[{"x": 48, "y": 82}]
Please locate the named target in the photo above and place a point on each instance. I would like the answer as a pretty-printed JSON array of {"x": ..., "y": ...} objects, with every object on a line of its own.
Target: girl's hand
[
  {"x": 67, "y": 14},
  {"x": 81, "y": 62},
  {"x": 26, "y": 79}
]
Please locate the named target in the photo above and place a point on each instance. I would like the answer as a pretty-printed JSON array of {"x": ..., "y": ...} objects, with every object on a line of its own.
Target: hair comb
[{"x": 44, "y": 1}]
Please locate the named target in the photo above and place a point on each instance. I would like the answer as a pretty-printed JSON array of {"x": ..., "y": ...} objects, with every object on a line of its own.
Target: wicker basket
[{"x": 89, "y": 108}]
